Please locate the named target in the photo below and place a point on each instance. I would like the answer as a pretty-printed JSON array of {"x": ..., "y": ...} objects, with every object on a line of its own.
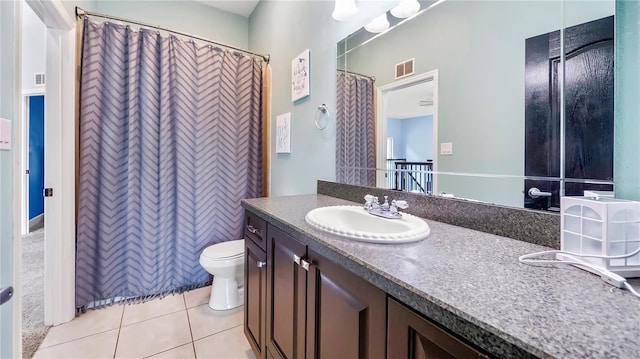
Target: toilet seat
[{"x": 224, "y": 251}]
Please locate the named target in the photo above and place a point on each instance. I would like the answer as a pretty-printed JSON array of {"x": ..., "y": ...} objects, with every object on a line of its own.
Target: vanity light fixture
[
  {"x": 405, "y": 8},
  {"x": 344, "y": 10},
  {"x": 378, "y": 24}
]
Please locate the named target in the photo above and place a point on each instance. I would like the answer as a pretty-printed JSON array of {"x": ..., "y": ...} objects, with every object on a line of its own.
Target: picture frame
[
  {"x": 283, "y": 133},
  {"x": 300, "y": 74}
]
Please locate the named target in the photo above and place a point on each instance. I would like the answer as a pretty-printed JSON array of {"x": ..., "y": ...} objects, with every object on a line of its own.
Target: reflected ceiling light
[
  {"x": 379, "y": 24},
  {"x": 406, "y": 8},
  {"x": 344, "y": 10}
]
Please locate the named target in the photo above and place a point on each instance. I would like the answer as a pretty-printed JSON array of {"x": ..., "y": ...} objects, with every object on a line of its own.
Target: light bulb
[
  {"x": 379, "y": 24},
  {"x": 344, "y": 10},
  {"x": 406, "y": 8}
]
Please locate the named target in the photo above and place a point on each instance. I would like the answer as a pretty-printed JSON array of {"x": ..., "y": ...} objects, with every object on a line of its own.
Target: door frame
[
  {"x": 59, "y": 263},
  {"x": 24, "y": 223},
  {"x": 13, "y": 86},
  {"x": 381, "y": 123}
]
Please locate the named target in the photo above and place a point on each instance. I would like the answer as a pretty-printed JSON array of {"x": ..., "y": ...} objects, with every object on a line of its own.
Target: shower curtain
[
  {"x": 170, "y": 142},
  {"x": 355, "y": 130}
]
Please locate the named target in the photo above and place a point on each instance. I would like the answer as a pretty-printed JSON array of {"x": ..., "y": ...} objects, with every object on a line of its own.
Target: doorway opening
[
  {"x": 33, "y": 64},
  {"x": 33, "y": 163},
  {"x": 407, "y": 134}
]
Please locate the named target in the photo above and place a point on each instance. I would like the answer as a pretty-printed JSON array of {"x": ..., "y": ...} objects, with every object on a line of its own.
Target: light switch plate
[
  {"x": 446, "y": 148},
  {"x": 5, "y": 134}
]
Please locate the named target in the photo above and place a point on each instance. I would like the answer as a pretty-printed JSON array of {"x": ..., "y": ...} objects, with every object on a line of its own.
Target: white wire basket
[{"x": 602, "y": 226}]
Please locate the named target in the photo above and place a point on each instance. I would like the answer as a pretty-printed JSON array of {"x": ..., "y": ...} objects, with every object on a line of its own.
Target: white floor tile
[
  {"x": 158, "y": 307},
  {"x": 230, "y": 344},
  {"x": 92, "y": 322},
  {"x": 153, "y": 336},
  {"x": 101, "y": 345},
  {"x": 197, "y": 297},
  {"x": 182, "y": 352},
  {"x": 206, "y": 321}
]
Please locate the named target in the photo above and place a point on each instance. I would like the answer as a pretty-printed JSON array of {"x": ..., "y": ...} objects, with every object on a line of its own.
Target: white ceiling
[
  {"x": 403, "y": 103},
  {"x": 240, "y": 7}
]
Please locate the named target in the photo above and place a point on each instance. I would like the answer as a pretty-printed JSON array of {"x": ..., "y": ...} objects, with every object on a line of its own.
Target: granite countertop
[{"x": 472, "y": 283}]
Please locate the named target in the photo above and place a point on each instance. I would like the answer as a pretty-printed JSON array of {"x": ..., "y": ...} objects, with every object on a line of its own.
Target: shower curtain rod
[
  {"x": 372, "y": 78},
  {"x": 82, "y": 12}
]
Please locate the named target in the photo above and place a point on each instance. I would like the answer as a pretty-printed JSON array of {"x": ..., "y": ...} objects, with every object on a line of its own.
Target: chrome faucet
[{"x": 386, "y": 210}]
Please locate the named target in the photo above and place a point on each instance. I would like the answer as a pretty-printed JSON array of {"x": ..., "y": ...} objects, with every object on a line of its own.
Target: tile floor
[{"x": 179, "y": 326}]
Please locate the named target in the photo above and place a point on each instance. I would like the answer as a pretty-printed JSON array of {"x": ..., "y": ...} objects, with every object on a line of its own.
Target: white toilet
[{"x": 225, "y": 261}]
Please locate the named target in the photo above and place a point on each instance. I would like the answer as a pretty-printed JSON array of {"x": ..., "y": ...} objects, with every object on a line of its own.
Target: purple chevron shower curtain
[
  {"x": 170, "y": 142},
  {"x": 355, "y": 130}
]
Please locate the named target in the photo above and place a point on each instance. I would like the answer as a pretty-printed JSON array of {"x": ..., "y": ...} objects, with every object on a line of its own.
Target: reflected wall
[{"x": 478, "y": 48}]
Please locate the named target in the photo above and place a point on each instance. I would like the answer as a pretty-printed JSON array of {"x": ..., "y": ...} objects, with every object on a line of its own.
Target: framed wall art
[
  {"x": 300, "y": 76},
  {"x": 283, "y": 133}
]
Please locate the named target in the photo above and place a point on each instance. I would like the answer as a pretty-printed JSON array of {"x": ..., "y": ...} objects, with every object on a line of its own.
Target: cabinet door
[
  {"x": 286, "y": 284},
  {"x": 412, "y": 336},
  {"x": 345, "y": 314},
  {"x": 255, "y": 297}
]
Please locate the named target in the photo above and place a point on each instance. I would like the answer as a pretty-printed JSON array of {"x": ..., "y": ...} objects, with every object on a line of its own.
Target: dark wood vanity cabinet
[
  {"x": 317, "y": 309},
  {"x": 299, "y": 304},
  {"x": 255, "y": 292},
  {"x": 412, "y": 336},
  {"x": 286, "y": 291},
  {"x": 346, "y": 315}
]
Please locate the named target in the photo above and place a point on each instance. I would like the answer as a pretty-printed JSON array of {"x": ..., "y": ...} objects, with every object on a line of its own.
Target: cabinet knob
[
  {"x": 296, "y": 259},
  {"x": 261, "y": 264},
  {"x": 305, "y": 265}
]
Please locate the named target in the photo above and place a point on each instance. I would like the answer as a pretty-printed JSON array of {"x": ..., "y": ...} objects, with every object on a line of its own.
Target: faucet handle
[
  {"x": 401, "y": 204},
  {"x": 369, "y": 201},
  {"x": 397, "y": 204}
]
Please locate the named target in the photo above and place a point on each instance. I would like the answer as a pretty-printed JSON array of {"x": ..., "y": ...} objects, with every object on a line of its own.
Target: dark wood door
[
  {"x": 286, "y": 302},
  {"x": 588, "y": 108},
  {"x": 345, "y": 314},
  {"x": 255, "y": 297},
  {"x": 413, "y": 337}
]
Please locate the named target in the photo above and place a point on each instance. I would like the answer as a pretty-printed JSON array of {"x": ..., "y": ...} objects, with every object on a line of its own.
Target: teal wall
[
  {"x": 478, "y": 48},
  {"x": 284, "y": 29},
  {"x": 186, "y": 16},
  {"x": 8, "y": 101},
  {"x": 627, "y": 107}
]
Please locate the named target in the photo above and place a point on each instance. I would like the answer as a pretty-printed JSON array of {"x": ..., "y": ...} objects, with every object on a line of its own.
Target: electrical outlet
[{"x": 446, "y": 149}]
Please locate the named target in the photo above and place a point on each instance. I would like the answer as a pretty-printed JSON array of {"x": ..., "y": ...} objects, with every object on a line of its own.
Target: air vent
[
  {"x": 40, "y": 79},
  {"x": 425, "y": 103},
  {"x": 405, "y": 68}
]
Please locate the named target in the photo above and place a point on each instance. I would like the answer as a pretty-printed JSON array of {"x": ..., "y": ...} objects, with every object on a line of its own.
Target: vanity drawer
[{"x": 255, "y": 229}]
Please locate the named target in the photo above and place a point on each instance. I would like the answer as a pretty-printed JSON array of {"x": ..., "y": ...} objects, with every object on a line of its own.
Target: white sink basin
[{"x": 354, "y": 222}]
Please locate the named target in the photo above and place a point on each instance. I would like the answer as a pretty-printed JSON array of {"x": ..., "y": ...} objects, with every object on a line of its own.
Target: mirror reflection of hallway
[{"x": 409, "y": 116}]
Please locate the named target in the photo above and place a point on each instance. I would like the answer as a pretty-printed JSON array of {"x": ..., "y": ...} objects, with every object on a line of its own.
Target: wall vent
[
  {"x": 405, "y": 68},
  {"x": 40, "y": 79}
]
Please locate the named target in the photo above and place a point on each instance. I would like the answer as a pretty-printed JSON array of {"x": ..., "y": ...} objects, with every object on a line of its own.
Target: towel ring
[{"x": 323, "y": 110}]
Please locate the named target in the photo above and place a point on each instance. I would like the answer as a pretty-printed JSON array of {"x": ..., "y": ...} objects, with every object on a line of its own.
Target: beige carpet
[{"x": 33, "y": 328}]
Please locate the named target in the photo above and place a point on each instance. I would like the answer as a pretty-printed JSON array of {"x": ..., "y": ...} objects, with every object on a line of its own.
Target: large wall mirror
[{"x": 509, "y": 102}]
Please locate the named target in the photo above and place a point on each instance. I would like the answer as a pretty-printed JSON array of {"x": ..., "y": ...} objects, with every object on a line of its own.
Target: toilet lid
[{"x": 224, "y": 250}]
